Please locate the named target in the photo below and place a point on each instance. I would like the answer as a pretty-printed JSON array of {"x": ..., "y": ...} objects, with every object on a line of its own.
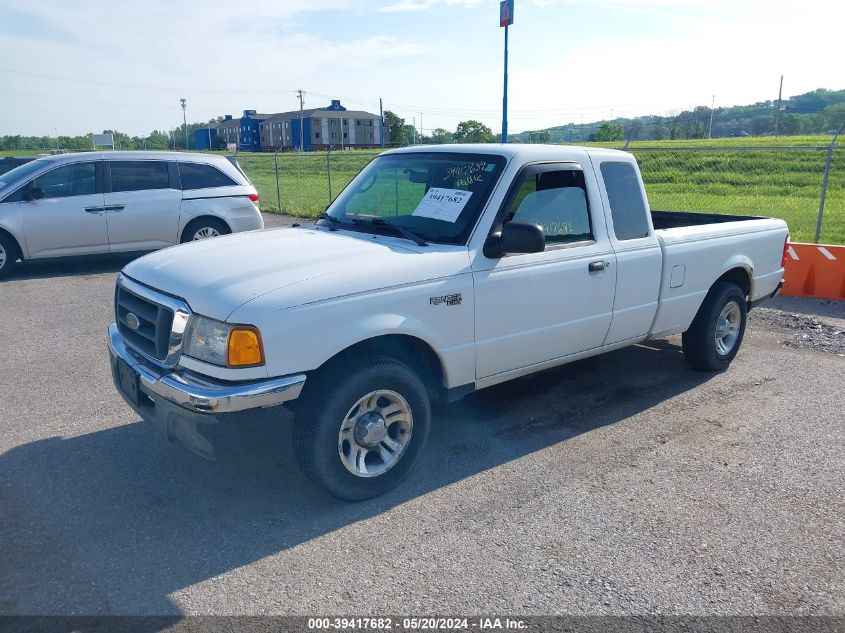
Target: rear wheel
[
  {"x": 203, "y": 229},
  {"x": 361, "y": 426},
  {"x": 716, "y": 333},
  {"x": 8, "y": 256}
]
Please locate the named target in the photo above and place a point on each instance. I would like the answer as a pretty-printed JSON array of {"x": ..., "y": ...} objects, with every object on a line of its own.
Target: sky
[{"x": 70, "y": 67}]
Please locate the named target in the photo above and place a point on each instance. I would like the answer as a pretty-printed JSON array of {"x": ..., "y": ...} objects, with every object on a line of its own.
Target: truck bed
[{"x": 677, "y": 219}]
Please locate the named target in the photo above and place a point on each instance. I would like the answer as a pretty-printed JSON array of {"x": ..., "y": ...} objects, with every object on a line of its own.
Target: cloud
[{"x": 407, "y": 6}]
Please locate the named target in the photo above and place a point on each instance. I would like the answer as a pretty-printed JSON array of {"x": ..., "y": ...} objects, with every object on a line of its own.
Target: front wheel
[
  {"x": 8, "y": 256},
  {"x": 361, "y": 427},
  {"x": 716, "y": 333}
]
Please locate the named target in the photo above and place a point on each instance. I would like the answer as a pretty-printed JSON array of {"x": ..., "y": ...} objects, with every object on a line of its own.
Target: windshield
[
  {"x": 436, "y": 195},
  {"x": 19, "y": 174}
]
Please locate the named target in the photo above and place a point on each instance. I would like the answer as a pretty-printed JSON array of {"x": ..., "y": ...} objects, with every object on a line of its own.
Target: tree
[
  {"x": 473, "y": 132},
  {"x": 439, "y": 136},
  {"x": 412, "y": 135},
  {"x": 541, "y": 136},
  {"x": 396, "y": 129},
  {"x": 835, "y": 116},
  {"x": 608, "y": 132},
  {"x": 762, "y": 125},
  {"x": 218, "y": 143}
]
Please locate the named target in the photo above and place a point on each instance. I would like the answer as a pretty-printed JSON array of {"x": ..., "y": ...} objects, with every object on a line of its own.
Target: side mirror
[
  {"x": 516, "y": 237},
  {"x": 33, "y": 193}
]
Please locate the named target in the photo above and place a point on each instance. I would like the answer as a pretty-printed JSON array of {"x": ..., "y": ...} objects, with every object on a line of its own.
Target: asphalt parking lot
[{"x": 620, "y": 484}]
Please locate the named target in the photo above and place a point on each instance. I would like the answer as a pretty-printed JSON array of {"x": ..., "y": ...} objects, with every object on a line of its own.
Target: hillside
[{"x": 810, "y": 113}]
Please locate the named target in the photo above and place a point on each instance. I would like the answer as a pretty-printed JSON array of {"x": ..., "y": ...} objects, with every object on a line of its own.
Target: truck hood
[{"x": 216, "y": 277}]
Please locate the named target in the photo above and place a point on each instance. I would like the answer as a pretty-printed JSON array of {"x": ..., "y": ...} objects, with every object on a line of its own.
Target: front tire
[
  {"x": 716, "y": 333},
  {"x": 361, "y": 426},
  {"x": 203, "y": 229},
  {"x": 8, "y": 256}
]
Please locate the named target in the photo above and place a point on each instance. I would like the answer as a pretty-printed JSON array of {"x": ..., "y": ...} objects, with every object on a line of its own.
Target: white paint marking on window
[
  {"x": 792, "y": 253},
  {"x": 826, "y": 252}
]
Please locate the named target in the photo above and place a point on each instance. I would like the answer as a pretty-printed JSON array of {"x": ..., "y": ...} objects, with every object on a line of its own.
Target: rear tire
[
  {"x": 8, "y": 256},
  {"x": 204, "y": 228},
  {"x": 716, "y": 333},
  {"x": 361, "y": 426}
]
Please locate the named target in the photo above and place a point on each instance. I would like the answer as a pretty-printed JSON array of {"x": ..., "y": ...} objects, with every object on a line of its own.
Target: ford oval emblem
[{"x": 132, "y": 321}]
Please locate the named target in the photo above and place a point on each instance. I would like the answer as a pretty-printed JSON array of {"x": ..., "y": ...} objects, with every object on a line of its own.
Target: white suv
[{"x": 112, "y": 202}]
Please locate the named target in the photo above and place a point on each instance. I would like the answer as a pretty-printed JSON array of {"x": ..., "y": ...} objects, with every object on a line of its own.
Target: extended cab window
[
  {"x": 139, "y": 175},
  {"x": 625, "y": 194},
  {"x": 199, "y": 176},
  {"x": 78, "y": 179},
  {"x": 556, "y": 200}
]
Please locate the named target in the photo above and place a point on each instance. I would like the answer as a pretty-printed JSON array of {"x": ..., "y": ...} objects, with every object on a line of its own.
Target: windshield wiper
[
  {"x": 399, "y": 229},
  {"x": 333, "y": 221}
]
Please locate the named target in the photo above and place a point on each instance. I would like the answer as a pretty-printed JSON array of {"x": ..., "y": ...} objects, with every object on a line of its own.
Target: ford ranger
[{"x": 436, "y": 272}]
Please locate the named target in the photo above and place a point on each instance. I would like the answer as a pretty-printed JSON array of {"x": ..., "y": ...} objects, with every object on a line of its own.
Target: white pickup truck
[{"x": 436, "y": 272}]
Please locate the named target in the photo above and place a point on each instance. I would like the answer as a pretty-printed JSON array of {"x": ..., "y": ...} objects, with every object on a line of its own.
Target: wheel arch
[
  {"x": 741, "y": 276},
  {"x": 18, "y": 250},
  {"x": 405, "y": 348},
  {"x": 198, "y": 218}
]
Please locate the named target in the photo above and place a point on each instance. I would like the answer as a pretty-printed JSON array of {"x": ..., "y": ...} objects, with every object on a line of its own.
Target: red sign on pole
[{"x": 506, "y": 13}]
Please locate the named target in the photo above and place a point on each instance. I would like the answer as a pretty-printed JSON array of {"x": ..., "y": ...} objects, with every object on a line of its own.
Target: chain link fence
[{"x": 782, "y": 182}]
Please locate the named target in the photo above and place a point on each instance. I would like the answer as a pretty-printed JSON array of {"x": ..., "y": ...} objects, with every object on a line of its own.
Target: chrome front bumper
[{"x": 175, "y": 401}]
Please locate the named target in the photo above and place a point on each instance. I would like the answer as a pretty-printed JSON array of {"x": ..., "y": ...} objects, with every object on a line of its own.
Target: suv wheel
[
  {"x": 361, "y": 427},
  {"x": 8, "y": 256},
  {"x": 203, "y": 229}
]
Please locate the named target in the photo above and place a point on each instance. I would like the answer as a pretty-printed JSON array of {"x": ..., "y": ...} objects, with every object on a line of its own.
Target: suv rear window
[
  {"x": 199, "y": 176},
  {"x": 139, "y": 175}
]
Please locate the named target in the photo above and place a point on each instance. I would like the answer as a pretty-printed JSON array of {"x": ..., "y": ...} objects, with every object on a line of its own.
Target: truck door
[
  {"x": 533, "y": 308},
  {"x": 639, "y": 259}
]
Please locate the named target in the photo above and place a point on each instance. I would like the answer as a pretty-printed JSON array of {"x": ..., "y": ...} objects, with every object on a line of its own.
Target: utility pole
[
  {"x": 710, "y": 129},
  {"x": 185, "y": 119},
  {"x": 505, "y": 20},
  {"x": 421, "y": 128},
  {"x": 414, "y": 136},
  {"x": 301, "y": 123},
  {"x": 381, "y": 115},
  {"x": 777, "y": 112}
]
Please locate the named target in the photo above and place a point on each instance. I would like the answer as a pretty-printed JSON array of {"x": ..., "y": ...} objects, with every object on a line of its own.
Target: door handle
[
  {"x": 94, "y": 209},
  {"x": 595, "y": 267},
  {"x": 114, "y": 207}
]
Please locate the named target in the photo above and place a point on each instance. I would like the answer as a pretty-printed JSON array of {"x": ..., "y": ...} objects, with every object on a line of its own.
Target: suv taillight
[
  {"x": 785, "y": 251},
  {"x": 254, "y": 197}
]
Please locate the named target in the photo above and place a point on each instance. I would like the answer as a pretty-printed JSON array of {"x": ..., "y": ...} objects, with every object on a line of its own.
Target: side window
[
  {"x": 199, "y": 176},
  {"x": 71, "y": 180},
  {"x": 630, "y": 217},
  {"x": 132, "y": 175},
  {"x": 557, "y": 201}
]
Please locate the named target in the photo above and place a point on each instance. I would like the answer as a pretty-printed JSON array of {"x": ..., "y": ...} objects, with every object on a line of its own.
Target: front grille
[{"x": 152, "y": 336}]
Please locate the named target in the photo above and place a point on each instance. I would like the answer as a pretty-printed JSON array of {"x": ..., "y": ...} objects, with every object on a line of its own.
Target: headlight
[{"x": 222, "y": 344}]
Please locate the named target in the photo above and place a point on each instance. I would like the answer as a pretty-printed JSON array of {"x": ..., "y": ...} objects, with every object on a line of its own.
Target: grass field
[{"x": 728, "y": 177}]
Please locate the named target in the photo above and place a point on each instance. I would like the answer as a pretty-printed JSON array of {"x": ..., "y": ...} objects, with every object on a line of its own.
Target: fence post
[
  {"x": 824, "y": 185},
  {"x": 329, "y": 172},
  {"x": 276, "y": 164}
]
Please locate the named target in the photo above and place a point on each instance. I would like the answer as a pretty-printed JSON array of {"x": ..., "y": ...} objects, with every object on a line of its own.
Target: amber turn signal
[{"x": 244, "y": 349}]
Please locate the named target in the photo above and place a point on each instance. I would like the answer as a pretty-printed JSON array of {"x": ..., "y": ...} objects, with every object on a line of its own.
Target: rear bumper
[
  {"x": 776, "y": 292},
  {"x": 176, "y": 401}
]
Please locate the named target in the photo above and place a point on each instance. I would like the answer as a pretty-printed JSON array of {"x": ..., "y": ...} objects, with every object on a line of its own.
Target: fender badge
[{"x": 449, "y": 300}]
